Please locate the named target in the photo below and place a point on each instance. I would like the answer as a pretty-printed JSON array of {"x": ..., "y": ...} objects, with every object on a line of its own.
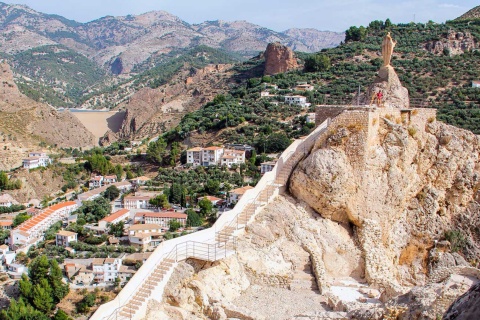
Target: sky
[{"x": 278, "y": 15}]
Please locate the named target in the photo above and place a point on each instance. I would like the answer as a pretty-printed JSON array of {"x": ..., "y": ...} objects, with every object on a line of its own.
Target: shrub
[{"x": 457, "y": 240}]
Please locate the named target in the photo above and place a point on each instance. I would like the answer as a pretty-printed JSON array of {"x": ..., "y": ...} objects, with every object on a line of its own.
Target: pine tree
[
  {"x": 60, "y": 289},
  {"x": 42, "y": 296}
]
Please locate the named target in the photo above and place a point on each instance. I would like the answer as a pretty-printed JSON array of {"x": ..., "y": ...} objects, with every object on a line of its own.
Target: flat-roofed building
[
  {"x": 136, "y": 202},
  {"x": 145, "y": 235},
  {"x": 194, "y": 156},
  {"x": 36, "y": 159},
  {"x": 267, "y": 166}
]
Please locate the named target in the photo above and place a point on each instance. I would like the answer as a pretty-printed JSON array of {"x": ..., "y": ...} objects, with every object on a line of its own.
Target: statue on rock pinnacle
[{"x": 387, "y": 87}]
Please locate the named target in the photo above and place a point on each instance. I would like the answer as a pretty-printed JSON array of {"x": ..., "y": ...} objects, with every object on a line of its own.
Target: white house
[
  {"x": 36, "y": 159},
  {"x": 267, "y": 166},
  {"x": 6, "y": 224},
  {"x": 304, "y": 87},
  {"x": 110, "y": 179},
  {"x": 212, "y": 199},
  {"x": 230, "y": 157},
  {"x": 311, "y": 117},
  {"x": 123, "y": 186},
  {"x": 63, "y": 238},
  {"x": 145, "y": 235},
  {"x": 211, "y": 156},
  {"x": 140, "y": 181},
  {"x": 106, "y": 270},
  {"x": 475, "y": 84},
  {"x": 116, "y": 217},
  {"x": 32, "y": 230},
  {"x": 7, "y": 200},
  {"x": 236, "y": 194},
  {"x": 161, "y": 218},
  {"x": 194, "y": 156},
  {"x": 296, "y": 100},
  {"x": 136, "y": 202},
  {"x": 95, "y": 182}
]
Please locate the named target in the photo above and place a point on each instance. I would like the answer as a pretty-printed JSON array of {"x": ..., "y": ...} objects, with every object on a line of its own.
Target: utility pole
[{"x": 358, "y": 96}]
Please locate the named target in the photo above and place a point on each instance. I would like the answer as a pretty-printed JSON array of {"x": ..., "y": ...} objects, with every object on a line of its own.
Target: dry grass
[
  {"x": 412, "y": 131},
  {"x": 413, "y": 251},
  {"x": 431, "y": 119},
  {"x": 69, "y": 303}
]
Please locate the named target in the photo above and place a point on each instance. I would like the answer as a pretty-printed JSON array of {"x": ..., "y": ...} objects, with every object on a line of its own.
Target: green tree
[
  {"x": 193, "y": 218},
  {"x": 156, "y": 151},
  {"x": 111, "y": 193},
  {"x": 20, "y": 218},
  {"x": 116, "y": 229},
  {"x": 174, "y": 225},
  {"x": 212, "y": 187},
  {"x": 356, "y": 34},
  {"x": 20, "y": 310},
  {"x": 177, "y": 193},
  {"x": 61, "y": 315},
  {"x": 60, "y": 289},
  {"x": 3, "y": 180},
  {"x": 160, "y": 201},
  {"x": 39, "y": 269},
  {"x": 206, "y": 207},
  {"x": 317, "y": 62},
  {"x": 42, "y": 296}
]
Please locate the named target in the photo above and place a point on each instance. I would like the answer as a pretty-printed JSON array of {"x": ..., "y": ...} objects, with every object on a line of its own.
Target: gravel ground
[{"x": 278, "y": 304}]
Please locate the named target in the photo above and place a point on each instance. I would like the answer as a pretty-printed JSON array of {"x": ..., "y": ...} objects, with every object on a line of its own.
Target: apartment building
[
  {"x": 136, "y": 202},
  {"x": 32, "y": 230},
  {"x": 231, "y": 156},
  {"x": 161, "y": 218},
  {"x": 106, "y": 270}
]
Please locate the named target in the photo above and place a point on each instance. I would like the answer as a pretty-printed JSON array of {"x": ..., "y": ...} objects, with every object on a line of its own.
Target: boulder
[{"x": 278, "y": 59}]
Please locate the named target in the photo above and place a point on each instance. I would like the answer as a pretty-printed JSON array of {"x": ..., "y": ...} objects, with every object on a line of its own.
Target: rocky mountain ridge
[{"x": 133, "y": 39}]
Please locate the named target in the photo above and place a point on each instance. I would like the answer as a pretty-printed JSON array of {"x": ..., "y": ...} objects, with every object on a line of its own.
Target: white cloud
[{"x": 449, "y": 5}]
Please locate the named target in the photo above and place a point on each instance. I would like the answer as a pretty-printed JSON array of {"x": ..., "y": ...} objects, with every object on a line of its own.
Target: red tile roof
[
  {"x": 116, "y": 215},
  {"x": 32, "y": 222}
]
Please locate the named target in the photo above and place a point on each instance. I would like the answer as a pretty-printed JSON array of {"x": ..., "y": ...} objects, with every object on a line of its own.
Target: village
[{"x": 108, "y": 251}]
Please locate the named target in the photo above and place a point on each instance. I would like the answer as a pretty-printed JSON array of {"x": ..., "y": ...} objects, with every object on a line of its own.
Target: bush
[{"x": 457, "y": 240}]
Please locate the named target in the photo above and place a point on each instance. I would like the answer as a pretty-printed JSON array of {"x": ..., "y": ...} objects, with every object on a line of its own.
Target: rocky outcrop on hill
[
  {"x": 279, "y": 59},
  {"x": 150, "y": 112},
  {"x": 456, "y": 43},
  {"x": 394, "y": 94},
  {"x": 403, "y": 186},
  {"x": 471, "y": 14}
]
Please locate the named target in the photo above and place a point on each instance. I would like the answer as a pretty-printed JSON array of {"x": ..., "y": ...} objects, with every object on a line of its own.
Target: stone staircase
[
  {"x": 221, "y": 244},
  {"x": 144, "y": 292},
  {"x": 303, "y": 277}
]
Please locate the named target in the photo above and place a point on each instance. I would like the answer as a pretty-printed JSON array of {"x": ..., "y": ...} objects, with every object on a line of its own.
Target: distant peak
[{"x": 472, "y": 14}]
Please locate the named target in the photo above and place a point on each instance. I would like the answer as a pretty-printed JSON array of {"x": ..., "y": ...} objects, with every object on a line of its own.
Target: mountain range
[{"x": 118, "y": 44}]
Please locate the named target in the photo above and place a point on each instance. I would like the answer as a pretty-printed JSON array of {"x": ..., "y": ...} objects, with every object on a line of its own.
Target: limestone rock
[
  {"x": 455, "y": 44},
  {"x": 279, "y": 59},
  {"x": 394, "y": 93},
  {"x": 465, "y": 307}
]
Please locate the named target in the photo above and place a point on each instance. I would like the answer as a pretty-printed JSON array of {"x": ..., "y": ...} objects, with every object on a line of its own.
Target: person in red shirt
[{"x": 379, "y": 98}]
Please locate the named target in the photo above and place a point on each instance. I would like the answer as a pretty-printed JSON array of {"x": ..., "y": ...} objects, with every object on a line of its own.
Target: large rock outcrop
[
  {"x": 388, "y": 83},
  {"x": 279, "y": 59},
  {"x": 404, "y": 185},
  {"x": 467, "y": 307},
  {"x": 456, "y": 43}
]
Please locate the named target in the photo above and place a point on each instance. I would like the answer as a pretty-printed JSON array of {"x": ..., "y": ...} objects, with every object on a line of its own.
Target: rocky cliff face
[
  {"x": 404, "y": 186},
  {"x": 150, "y": 112},
  {"x": 278, "y": 59},
  {"x": 456, "y": 43}
]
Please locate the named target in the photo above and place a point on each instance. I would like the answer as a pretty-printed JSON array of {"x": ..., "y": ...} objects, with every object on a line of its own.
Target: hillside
[
  {"x": 26, "y": 124},
  {"x": 472, "y": 14}
]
